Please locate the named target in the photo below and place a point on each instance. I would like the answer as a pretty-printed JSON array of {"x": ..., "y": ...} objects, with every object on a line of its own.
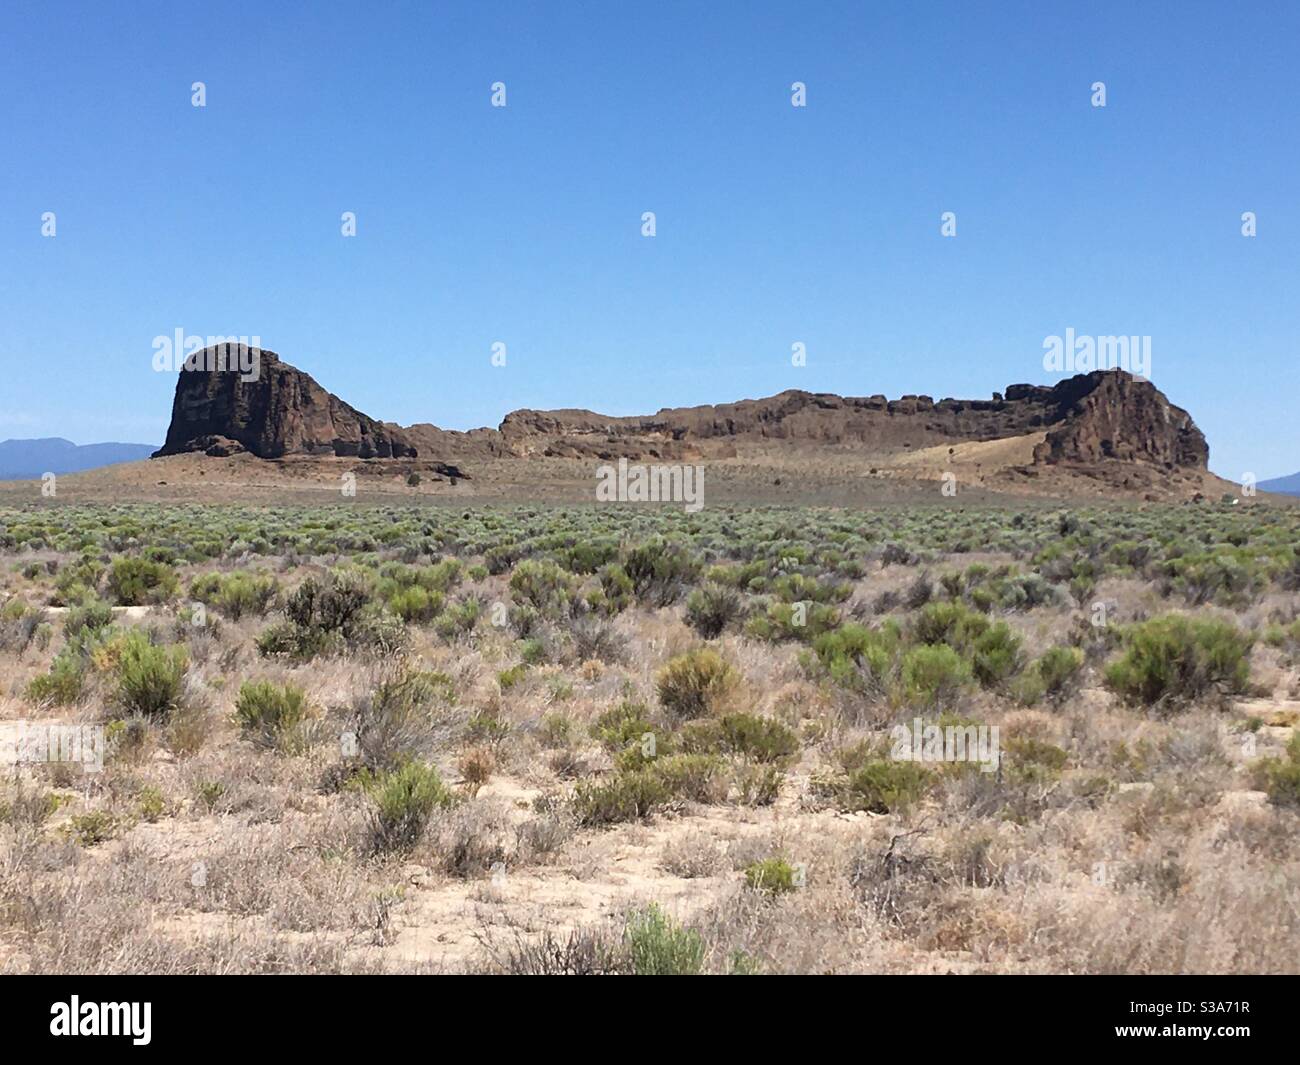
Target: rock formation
[
  {"x": 1114, "y": 415},
  {"x": 1088, "y": 418},
  {"x": 1091, "y": 420},
  {"x": 280, "y": 411}
]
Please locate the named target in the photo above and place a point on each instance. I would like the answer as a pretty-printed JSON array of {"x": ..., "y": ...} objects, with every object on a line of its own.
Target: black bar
[{"x": 1052, "y": 1014}]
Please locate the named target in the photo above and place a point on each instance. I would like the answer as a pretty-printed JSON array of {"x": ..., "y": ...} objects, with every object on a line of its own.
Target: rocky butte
[
  {"x": 283, "y": 411},
  {"x": 1105, "y": 420}
]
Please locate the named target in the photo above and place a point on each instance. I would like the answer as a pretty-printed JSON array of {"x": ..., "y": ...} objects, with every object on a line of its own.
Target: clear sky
[{"x": 774, "y": 224}]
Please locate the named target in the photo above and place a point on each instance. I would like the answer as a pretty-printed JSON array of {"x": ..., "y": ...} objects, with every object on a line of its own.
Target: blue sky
[{"x": 522, "y": 224}]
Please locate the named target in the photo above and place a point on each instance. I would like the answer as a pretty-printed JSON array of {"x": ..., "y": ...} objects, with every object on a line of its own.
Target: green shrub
[
  {"x": 459, "y": 619},
  {"x": 857, "y": 657},
  {"x": 622, "y": 725},
  {"x": 933, "y": 673},
  {"x": 1057, "y": 668},
  {"x": 138, "y": 581},
  {"x": 1033, "y": 761},
  {"x": 271, "y": 712},
  {"x": 885, "y": 786},
  {"x": 995, "y": 655},
  {"x": 524, "y": 620},
  {"x": 1281, "y": 776},
  {"x": 627, "y": 796},
  {"x": 793, "y": 621},
  {"x": 235, "y": 595},
  {"x": 798, "y": 588},
  {"x": 993, "y": 649},
  {"x": 415, "y": 604},
  {"x": 697, "y": 683},
  {"x": 508, "y": 678},
  {"x": 204, "y": 587},
  {"x": 1219, "y": 576},
  {"x": 757, "y": 783},
  {"x": 1029, "y": 689},
  {"x": 753, "y": 738},
  {"x": 77, "y": 583},
  {"x": 439, "y": 578},
  {"x": 151, "y": 804},
  {"x": 616, "y": 592},
  {"x": 877, "y": 784},
  {"x": 952, "y": 623},
  {"x": 546, "y": 587},
  {"x": 772, "y": 876},
  {"x": 91, "y": 828},
  {"x": 1174, "y": 658},
  {"x": 92, "y": 616},
  {"x": 556, "y": 730},
  {"x": 587, "y": 557},
  {"x": 693, "y": 777},
  {"x": 209, "y": 793},
  {"x": 487, "y": 727},
  {"x": 64, "y": 683},
  {"x": 1017, "y": 591},
  {"x": 742, "y": 964},
  {"x": 151, "y": 680},
  {"x": 404, "y": 801},
  {"x": 533, "y": 652},
  {"x": 658, "y": 946},
  {"x": 285, "y": 639}
]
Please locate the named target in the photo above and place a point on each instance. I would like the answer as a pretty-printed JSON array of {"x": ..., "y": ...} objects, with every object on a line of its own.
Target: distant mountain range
[
  {"x": 22, "y": 460},
  {"x": 1286, "y": 485}
]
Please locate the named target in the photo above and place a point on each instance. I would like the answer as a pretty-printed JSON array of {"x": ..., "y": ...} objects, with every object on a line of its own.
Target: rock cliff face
[
  {"x": 1088, "y": 418},
  {"x": 1113, "y": 415},
  {"x": 282, "y": 411},
  {"x": 1093, "y": 419}
]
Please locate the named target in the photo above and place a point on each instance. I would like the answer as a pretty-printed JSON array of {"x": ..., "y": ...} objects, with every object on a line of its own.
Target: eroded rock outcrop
[
  {"x": 279, "y": 411},
  {"x": 1114, "y": 415},
  {"x": 1091, "y": 420},
  {"x": 1088, "y": 418}
]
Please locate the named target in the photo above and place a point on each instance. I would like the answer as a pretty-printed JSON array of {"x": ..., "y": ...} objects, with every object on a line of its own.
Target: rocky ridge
[{"x": 1105, "y": 419}]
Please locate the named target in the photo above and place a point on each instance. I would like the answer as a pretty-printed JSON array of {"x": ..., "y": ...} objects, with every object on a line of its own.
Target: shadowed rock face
[
  {"x": 1103, "y": 417},
  {"x": 283, "y": 411}
]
